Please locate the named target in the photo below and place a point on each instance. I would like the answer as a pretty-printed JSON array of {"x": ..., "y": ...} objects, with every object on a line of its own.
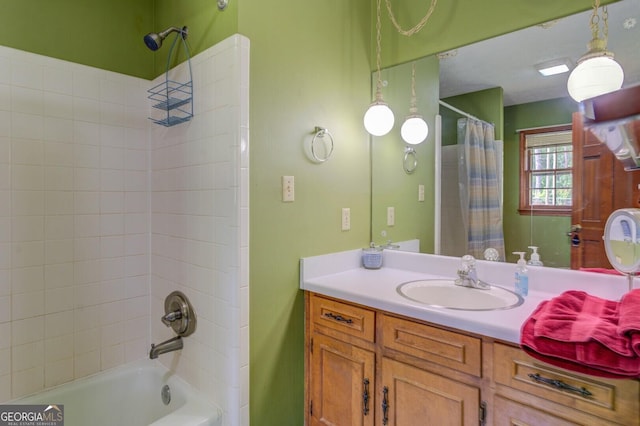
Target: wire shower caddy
[{"x": 174, "y": 98}]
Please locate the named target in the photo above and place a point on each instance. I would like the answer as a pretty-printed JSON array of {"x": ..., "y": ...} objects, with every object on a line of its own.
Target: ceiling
[{"x": 509, "y": 61}]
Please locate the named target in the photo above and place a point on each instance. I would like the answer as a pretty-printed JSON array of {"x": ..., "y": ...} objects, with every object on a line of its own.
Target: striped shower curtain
[{"x": 480, "y": 181}]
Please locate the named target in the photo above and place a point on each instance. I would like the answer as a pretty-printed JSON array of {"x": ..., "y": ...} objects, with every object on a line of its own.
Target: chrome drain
[{"x": 166, "y": 394}]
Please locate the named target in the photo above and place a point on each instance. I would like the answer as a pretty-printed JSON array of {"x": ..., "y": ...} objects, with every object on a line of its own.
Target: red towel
[
  {"x": 579, "y": 332},
  {"x": 629, "y": 324},
  {"x": 602, "y": 271}
]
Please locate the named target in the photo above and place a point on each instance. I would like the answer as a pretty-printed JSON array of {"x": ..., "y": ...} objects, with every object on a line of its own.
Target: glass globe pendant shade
[
  {"x": 378, "y": 120},
  {"x": 595, "y": 76},
  {"x": 414, "y": 130}
]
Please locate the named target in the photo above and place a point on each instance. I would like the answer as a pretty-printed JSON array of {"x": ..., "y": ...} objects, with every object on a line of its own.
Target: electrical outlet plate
[
  {"x": 288, "y": 189},
  {"x": 421, "y": 192},
  {"x": 346, "y": 219}
]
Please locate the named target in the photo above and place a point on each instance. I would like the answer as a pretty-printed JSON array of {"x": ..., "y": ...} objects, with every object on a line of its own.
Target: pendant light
[
  {"x": 414, "y": 129},
  {"x": 597, "y": 72},
  {"x": 378, "y": 120}
]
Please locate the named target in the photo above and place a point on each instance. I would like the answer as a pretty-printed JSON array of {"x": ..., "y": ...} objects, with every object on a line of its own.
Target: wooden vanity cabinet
[
  {"x": 529, "y": 391},
  {"x": 369, "y": 367},
  {"x": 340, "y": 367}
]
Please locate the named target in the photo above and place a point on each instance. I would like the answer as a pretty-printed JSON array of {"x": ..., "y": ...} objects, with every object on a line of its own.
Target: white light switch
[
  {"x": 421, "y": 192},
  {"x": 288, "y": 193},
  {"x": 391, "y": 216},
  {"x": 346, "y": 219}
]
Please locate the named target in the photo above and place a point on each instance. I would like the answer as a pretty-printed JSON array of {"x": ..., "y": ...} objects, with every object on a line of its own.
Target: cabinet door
[
  {"x": 416, "y": 397},
  {"x": 342, "y": 383}
]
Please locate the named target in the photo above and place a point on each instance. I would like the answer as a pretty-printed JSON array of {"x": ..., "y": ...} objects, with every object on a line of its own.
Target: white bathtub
[{"x": 129, "y": 396}]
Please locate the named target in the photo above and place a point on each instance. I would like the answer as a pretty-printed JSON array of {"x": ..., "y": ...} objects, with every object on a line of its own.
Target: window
[{"x": 546, "y": 161}]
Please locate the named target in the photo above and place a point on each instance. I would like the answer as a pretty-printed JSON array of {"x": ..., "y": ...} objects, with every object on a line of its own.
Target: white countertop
[{"x": 341, "y": 275}]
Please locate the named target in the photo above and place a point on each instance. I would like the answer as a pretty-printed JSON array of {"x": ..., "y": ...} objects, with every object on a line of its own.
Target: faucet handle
[
  {"x": 170, "y": 317},
  {"x": 468, "y": 262}
]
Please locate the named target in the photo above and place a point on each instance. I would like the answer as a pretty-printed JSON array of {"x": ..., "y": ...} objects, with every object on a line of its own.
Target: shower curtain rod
[{"x": 459, "y": 111}]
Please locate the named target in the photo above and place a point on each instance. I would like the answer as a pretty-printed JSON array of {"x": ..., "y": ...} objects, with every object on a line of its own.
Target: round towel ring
[
  {"x": 410, "y": 160},
  {"x": 320, "y": 133}
]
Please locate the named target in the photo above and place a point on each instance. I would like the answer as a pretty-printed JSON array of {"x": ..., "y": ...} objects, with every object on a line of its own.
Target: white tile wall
[
  {"x": 74, "y": 296},
  {"x": 200, "y": 225},
  {"x": 102, "y": 214}
]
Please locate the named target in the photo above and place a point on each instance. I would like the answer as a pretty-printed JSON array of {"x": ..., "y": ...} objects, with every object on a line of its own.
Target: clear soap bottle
[
  {"x": 522, "y": 275},
  {"x": 535, "y": 257}
]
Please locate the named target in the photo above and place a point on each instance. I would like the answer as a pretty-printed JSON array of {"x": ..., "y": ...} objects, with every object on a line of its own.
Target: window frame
[{"x": 524, "y": 172}]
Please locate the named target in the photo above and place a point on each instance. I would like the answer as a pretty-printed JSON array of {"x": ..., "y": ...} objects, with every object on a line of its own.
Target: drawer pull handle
[
  {"x": 338, "y": 318},
  {"x": 385, "y": 405},
  {"x": 559, "y": 384},
  {"x": 365, "y": 398}
]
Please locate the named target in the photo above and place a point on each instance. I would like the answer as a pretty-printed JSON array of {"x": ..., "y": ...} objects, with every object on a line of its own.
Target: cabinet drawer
[
  {"x": 614, "y": 400},
  {"x": 442, "y": 347},
  {"x": 330, "y": 316}
]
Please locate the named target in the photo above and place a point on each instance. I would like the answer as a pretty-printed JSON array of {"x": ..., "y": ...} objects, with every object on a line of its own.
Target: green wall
[
  {"x": 394, "y": 187},
  {"x": 546, "y": 232},
  {"x": 485, "y": 104},
  {"x": 458, "y": 23},
  {"x": 310, "y": 65}
]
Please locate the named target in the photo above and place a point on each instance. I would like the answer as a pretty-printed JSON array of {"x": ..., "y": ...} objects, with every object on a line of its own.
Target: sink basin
[{"x": 443, "y": 293}]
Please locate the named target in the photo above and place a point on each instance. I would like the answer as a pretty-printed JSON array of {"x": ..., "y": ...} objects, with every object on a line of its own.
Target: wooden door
[
  {"x": 342, "y": 383},
  {"x": 410, "y": 396},
  {"x": 600, "y": 186}
]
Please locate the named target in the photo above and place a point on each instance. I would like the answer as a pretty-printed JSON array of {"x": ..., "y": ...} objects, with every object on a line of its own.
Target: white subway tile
[
  {"x": 86, "y": 202},
  {"x": 27, "y": 305},
  {"x": 27, "y": 101},
  {"x": 58, "y": 152},
  {"x": 58, "y": 202},
  {"x": 58, "y": 105},
  {"x": 28, "y": 253},
  {"x": 58, "y": 372},
  {"x": 27, "y": 203},
  {"x": 86, "y": 363},
  {"x": 27, "y": 356},
  {"x": 26, "y": 382},
  {"x": 27, "y": 330},
  {"x": 27, "y": 151},
  {"x": 26, "y": 126},
  {"x": 26, "y": 280},
  {"x": 57, "y": 80}
]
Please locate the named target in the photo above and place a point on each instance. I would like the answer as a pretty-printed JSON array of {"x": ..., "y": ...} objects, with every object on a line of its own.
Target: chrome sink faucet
[{"x": 468, "y": 276}]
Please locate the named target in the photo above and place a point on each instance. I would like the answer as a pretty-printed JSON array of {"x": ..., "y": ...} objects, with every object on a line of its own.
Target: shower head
[{"x": 154, "y": 40}]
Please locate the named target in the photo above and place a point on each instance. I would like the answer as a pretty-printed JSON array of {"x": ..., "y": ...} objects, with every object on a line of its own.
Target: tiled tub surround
[
  {"x": 199, "y": 223},
  {"x": 103, "y": 213},
  {"x": 74, "y": 287},
  {"x": 340, "y": 275}
]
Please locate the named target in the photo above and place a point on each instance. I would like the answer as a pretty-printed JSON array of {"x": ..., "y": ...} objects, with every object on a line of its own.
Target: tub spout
[{"x": 170, "y": 345}]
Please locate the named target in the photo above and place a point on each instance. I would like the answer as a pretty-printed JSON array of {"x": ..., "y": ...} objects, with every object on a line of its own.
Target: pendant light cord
[
  {"x": 595, "y": 22},
  {"x": 418, "y": 26},
  {"x": 378, "y": 42},
  {"x": 413, "y": 107}
]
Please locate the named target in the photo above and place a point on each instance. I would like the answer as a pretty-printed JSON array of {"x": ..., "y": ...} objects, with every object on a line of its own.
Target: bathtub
[{"x": 130, "y": 395}]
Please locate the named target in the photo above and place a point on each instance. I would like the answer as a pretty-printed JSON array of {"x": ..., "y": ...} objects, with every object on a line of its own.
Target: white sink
[{"x": 443, "y": 293}]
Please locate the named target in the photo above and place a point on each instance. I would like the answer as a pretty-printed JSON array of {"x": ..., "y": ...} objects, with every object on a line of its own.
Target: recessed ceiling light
[
  {"x": 629, "y": 23},
  {"x": 554, "y": 67}
]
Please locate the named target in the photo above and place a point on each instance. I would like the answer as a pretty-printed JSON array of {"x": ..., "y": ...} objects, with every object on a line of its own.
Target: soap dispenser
[
  {"x": 521, "y": 276},
  {"x": 535, "y": 257}
]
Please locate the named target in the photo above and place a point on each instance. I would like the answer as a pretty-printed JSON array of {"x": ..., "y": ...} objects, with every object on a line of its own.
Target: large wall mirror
[{"x": 496, "y": 81}]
